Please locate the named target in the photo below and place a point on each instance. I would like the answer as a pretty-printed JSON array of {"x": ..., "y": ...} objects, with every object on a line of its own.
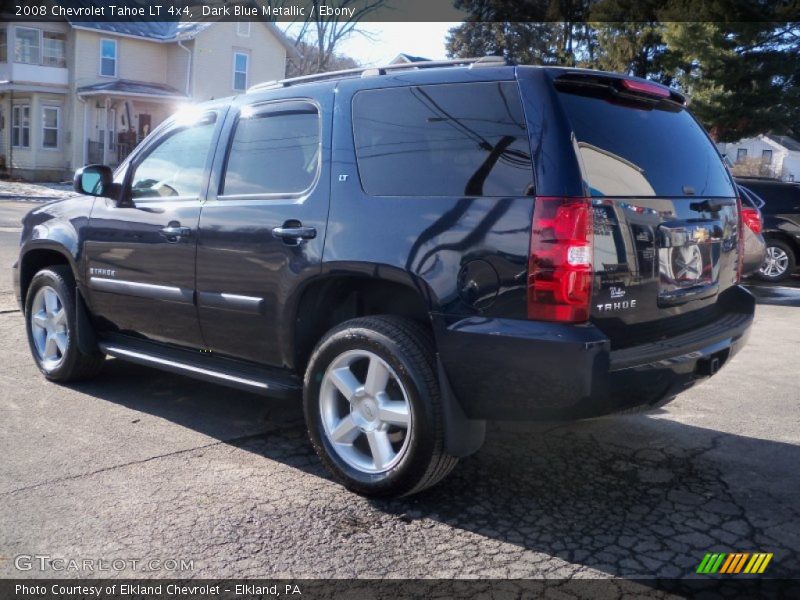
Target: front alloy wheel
[
  {"x": 49, "y": 328},
  {"x": 50, "y": 320}
]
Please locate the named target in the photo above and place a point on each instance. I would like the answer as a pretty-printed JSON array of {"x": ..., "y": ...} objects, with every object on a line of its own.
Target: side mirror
[{"x": 94, "y": 180}]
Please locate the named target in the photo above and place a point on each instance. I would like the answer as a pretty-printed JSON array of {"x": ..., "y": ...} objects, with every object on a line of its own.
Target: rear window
[
  {"x": 632, "y": 150},
  {"x": 443, "y": 140}
]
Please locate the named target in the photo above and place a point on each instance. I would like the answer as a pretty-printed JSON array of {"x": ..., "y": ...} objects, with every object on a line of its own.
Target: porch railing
[{"x": 115, "y": 155}]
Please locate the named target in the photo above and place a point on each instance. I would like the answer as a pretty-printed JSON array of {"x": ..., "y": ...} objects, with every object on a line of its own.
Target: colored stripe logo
[{"x": 734, "y": 563}]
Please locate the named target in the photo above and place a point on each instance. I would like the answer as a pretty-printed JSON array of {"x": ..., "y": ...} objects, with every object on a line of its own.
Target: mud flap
[
  {"x": 462, "y": 436},
  {"x": 87, "y": 340}
]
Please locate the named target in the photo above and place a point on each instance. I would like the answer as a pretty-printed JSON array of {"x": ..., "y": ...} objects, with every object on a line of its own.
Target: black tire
[
  {"x": 790, "y": 267},
  {"x": 408, "y": 350},
  {"x": 74, "y": 365}
]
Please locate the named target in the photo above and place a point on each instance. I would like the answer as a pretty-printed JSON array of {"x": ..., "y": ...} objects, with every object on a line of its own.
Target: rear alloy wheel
[
  {"x": 366, "y": 414},
  {"x": 51, "y": 326},
  {"x": 779, "y": 261},
  {"x": 373, "y": 407}
]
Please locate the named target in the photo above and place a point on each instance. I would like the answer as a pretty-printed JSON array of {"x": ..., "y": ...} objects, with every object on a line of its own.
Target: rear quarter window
[
  {"x": 632, "y": 150},
  {"x": 443, "y": 140}
]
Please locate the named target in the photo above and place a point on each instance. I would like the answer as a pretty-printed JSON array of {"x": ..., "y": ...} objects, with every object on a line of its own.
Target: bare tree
[{"x": 318, "y": 38}]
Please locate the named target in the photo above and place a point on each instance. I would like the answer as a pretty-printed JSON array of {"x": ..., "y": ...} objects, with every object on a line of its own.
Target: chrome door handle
[
  {"x": 295, "y": 233},
  {"x": 176, "y": 231}
]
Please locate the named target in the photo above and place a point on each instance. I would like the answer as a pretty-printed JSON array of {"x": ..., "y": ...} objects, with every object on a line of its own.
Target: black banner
[
  {"x": 394, "y": 589},
  {"x": 575, "y": 11}
]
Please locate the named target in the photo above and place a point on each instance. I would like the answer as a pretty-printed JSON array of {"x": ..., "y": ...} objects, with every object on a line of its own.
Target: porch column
[
  {"x": 106, "y": 135},
  {"x": 85, "y": 144}
]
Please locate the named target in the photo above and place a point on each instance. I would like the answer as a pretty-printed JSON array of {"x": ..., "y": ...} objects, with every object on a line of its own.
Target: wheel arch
[
  {"x": 338, "y": 296},
  {"x": 37, "y": 256},
  {"x": 786, "y": 238}
]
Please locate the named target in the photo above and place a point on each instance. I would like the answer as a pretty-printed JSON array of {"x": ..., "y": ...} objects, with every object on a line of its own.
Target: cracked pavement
[{"x": 139, "y": 464}]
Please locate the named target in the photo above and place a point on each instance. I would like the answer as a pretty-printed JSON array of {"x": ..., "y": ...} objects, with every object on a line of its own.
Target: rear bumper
[{"x": 502, "y": 369}]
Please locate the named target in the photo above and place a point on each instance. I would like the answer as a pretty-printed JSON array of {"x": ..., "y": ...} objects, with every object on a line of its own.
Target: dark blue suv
[{"x": 413, "y": 250}]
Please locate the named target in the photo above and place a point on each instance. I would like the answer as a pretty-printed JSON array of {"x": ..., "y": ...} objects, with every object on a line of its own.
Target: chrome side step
[{"x": 207, "y": 368}]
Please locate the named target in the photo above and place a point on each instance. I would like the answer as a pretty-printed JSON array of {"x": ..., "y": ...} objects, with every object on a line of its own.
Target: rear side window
[
  {"x": 443, "y": 140},
  {"x": 274, "y": 150},
  {"x": 632, "y": 150}
]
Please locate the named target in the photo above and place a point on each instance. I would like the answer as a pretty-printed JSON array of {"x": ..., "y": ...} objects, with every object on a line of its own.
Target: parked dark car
[
  {"x": 414, "y": 250},
  {"x": 754, "y": 244},
  {"x": 781, "y": 228}
]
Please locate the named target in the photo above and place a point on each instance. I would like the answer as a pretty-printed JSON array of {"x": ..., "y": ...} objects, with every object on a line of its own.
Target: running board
[{"x": 224, "y": 371}]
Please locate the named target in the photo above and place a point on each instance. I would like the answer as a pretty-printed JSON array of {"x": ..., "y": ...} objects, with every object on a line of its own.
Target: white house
[
  {"x": 78, "y": 93},
  {"x": 778, "y": 154}
]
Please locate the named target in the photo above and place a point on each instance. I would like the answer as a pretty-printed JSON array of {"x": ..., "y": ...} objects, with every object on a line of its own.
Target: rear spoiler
[{"x": 618, "y": 86}]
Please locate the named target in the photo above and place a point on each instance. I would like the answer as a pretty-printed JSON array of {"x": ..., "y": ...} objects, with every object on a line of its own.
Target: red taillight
[
  {"x": 560, "y": 264},
  {"x": 642, "y": 87},
  {"x": 740, "y": 240},
  {"x": 752, "y": 219}
]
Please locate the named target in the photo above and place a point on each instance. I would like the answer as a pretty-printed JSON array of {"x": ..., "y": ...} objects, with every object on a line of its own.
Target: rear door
[
  {"x": 664, "y": 208},
  {"x": 262, "y": 228}
]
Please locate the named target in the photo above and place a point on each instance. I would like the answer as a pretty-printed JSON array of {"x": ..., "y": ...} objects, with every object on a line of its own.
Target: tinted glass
[
  {"x": 636, "y": 150},
  {"x": 175, "y": 167},
  {"x": 443, "y": 140},
  {"x": 778, "y": 198},
  {"x": 275, "y": 152}
]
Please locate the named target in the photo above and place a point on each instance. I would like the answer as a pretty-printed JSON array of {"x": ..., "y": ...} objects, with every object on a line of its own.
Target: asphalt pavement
[{"x": 142, "y": 465}]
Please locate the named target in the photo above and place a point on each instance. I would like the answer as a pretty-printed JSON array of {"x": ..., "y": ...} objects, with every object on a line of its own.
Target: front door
[
  {"x": 262, "y": 228},
  {"x": 140, "y": 251}
]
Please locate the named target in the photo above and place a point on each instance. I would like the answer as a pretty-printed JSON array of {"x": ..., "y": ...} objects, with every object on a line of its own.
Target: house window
[
  {"x": 243, "y": 28},
  {"x": 240, "y": 64},
  {"x": 54, "y": 49},
  {"x": 3, "y": 45},
  {"x": 108, "y": 58},
  {"x": 51, "y": 121},
  {"x": 741, "y": 154},
  {"x": 26, "y": 46},
  {"x": 21, "y": 126},
  {"x": 766, "y": 157}
]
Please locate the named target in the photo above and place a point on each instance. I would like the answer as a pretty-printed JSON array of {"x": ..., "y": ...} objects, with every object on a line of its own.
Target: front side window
[
  {"x": 51, "y": 117},
  {"x": 54, "y": 49},
  {"x": 26, "y": 46},
  {"x": 108, "y": 58},
  {"x": 443, "y": 140},
  {"x": 274, "y": 152},
  {"x": 240, "y": 63},
  {"x": 175, "y": 168},
  {"x": 21, "y": 126}
]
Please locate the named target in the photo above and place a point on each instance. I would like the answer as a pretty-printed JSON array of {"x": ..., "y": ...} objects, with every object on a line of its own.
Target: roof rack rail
[{"x": 483, "y": 61}]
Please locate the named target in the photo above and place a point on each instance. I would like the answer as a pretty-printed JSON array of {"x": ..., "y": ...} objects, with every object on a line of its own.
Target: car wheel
[
  {"x": 779, "y": 261},
  {"x": 50, "y": 324},
  {"x": 373, "y": 408}
]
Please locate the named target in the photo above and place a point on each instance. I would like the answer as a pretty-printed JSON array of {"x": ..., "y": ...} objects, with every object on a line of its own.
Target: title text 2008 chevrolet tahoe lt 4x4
[{"x": 414, "y": 250}]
